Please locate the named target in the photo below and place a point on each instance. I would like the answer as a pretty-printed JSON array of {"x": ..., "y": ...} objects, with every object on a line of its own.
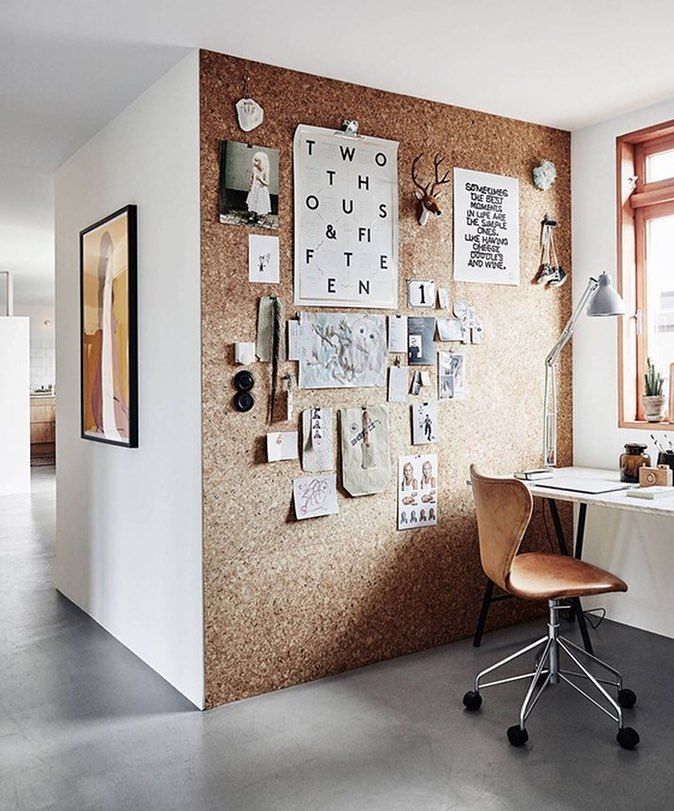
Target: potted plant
[{"x": 653, "y": 399}]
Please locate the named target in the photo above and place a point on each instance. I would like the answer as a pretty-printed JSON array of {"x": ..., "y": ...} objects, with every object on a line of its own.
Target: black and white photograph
[
  {"x": 424, "y": 423},
  {"x": 249, "y": 185},
  {"x": 451, "y": 375},
  {"x": 263, "y": 259},
  {"x": 420, "y": 343}
]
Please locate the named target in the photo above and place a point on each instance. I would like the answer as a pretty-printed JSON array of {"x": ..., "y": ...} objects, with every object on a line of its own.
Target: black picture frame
[{"x": 132, "y": 314}]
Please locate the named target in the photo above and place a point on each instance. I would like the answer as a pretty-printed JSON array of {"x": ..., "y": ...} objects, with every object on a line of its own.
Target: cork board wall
[{"x": 287, "y": 601}]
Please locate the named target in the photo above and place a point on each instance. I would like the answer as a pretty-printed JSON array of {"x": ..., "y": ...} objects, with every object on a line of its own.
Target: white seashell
[{"x": 249, "y": 113}]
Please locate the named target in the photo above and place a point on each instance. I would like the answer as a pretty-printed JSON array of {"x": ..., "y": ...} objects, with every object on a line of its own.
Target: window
[{"x": 645, "y": 263}]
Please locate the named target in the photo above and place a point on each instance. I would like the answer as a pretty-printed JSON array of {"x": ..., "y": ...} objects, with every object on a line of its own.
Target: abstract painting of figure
[{"x": 108, "y": 329}]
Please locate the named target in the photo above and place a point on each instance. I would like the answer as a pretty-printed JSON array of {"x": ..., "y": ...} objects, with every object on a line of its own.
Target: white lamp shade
[{"x": 606, "y": 300}]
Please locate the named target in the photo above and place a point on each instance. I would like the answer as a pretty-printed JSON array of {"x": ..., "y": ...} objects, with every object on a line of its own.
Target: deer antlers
[{"x": 429, "y": 189}]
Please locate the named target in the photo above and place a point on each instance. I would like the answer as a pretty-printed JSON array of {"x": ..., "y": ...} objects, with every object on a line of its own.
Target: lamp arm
[
  {"x": 567, "y": 332},
  {"x": 550, "y": 393}
]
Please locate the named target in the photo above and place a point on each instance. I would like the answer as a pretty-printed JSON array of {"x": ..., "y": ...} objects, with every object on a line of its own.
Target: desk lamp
[{"x": 601, "y": 300}]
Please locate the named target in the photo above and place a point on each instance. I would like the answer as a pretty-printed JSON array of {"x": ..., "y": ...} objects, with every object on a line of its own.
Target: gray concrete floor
[{"x": 84, "y": 724}]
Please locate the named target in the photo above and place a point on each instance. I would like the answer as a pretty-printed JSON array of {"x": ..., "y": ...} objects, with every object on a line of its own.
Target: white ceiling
[{"x": 69, "y": 66}]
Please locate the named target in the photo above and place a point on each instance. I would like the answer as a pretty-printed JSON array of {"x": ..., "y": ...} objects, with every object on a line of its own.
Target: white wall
[
  {"x": 42, "y": 343},
  {"x": 641, "y": 550},
  {"x": 129, "y": 521},
  {"x": 14, "y": 407}
]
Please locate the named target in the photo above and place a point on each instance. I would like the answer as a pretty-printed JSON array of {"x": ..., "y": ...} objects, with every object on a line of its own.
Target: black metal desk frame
[{"x": 489, "y": 597}]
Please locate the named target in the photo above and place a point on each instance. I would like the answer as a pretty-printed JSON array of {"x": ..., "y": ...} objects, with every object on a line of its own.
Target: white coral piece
[{"x": 544, "y": 175}]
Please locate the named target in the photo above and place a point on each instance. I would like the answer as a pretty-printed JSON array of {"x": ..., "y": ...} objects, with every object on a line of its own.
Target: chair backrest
[{"x": 503, "y": 508}]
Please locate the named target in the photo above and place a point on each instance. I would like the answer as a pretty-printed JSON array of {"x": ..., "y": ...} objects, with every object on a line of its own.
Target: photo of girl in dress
[{"x": 249, "y": 185}]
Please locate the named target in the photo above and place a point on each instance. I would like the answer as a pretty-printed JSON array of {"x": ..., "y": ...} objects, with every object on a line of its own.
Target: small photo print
[
  {"x": 451, "y": 375},
  {"x": 451, "y": 329},
  {"x": 249, "y": 185},
  {"x": 263, "y": 259},
  {"x": 420, "y": 343},
  {"x": 424, "y": 423},
  {"x": 417, "y": 491}
]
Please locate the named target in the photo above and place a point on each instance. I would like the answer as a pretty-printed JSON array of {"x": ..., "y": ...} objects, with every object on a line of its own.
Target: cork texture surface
[{"x": 286, "y": 601}]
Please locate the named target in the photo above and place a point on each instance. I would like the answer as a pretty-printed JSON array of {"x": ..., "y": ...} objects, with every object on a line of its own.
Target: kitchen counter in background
[{"x": 42, "y": 429}]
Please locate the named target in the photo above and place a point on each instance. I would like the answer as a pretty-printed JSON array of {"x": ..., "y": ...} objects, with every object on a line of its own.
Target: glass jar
[{"x": 630, "y": 462}]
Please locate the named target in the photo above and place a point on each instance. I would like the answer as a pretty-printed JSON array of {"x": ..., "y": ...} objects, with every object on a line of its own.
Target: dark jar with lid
[{"x": 630, "y": 462}]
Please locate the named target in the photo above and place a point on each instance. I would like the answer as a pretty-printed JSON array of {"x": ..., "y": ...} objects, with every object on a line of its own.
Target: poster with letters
[
  {"x": 486, "y": 228},
  {"x": 346, "y": 219}
]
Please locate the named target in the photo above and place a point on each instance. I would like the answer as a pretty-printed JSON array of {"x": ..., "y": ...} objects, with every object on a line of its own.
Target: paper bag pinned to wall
[{"x": 366, "y": 460}]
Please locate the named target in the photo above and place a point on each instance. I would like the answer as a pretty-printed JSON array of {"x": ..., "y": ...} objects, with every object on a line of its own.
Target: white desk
[{"x": 617, "y": 500}]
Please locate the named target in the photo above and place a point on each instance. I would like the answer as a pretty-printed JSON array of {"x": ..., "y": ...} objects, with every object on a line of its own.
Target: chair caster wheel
[
  {"x": 472, "y": 701},
  {"x": 518, "y": 736},
  {"x": 627, "y": 737},
  {"x": 627, "y": 698}
]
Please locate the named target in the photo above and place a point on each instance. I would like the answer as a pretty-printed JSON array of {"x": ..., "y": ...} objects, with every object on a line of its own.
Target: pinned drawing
[
  {"x": 314, "y": 496},
  {"x": 342, "y": 350}
]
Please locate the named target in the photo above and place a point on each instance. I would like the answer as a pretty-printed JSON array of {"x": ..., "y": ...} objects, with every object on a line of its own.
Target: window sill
[{"x": 646, "y": 426}]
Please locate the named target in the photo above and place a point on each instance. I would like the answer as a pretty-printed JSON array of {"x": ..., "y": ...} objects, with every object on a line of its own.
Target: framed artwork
[
  {"x": 108, "y": 330},
  {"x": 249, "y": 185},
  {"x": 346, "y": 219}
]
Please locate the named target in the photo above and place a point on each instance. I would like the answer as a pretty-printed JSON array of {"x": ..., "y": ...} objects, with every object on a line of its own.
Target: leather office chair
[{"x": 503, "y": 508}]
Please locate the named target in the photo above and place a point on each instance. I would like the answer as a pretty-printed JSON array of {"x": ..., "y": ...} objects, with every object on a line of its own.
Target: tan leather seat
[
  {"x": 503, "y": 508},
  {"x": 544, "y": 576}
]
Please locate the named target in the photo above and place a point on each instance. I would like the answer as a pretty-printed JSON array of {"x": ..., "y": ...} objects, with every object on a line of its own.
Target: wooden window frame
[{"x": 637, "y": 203}]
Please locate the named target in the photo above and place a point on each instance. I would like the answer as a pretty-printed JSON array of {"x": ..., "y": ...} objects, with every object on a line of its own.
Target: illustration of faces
[
  {"x": 431, "y": 514},
  {"x": 413, "y": 517},
  {"x": 422, "y": 514}
]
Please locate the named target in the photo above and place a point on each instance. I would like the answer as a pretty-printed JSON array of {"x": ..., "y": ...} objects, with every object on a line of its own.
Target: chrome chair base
[{"x": 548, "y": 671}]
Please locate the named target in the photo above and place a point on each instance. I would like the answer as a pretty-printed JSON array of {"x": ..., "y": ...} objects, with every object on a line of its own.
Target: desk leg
[
  {"x": 578, "y": 551},
  {"x": 486, "y": 600}
]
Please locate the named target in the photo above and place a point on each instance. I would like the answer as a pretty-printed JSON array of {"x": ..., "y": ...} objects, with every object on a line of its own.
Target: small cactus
[{"x": 653, "y": 380}]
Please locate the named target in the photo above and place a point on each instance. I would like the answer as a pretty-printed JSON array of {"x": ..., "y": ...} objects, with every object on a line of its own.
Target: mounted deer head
[{"x": 427, "y": 196}]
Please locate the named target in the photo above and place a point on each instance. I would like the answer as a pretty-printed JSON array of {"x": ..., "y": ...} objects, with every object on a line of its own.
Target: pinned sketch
[
  {"x": 443, "y": 298},
  {"x": 263, "y": 259},
  {"x": 486, "y": 227},
  {"x": 342, "y": 350},
  {"x": 421, "y": 293},
  {"x": 424, "y": 423},
  {"x": 317, "y": 432},
  {"x": 420, "y": 344},
  {"x": 346, "y": 219},
  {"x": 451, "y": 375},
  {"x": 314, "y": 496},
  {"x": 281, "y": 445},
  {"x": 417, "y": 491}
]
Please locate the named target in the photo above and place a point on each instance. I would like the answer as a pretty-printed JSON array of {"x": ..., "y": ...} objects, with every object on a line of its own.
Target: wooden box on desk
[{"x": 660, "y": 476}]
